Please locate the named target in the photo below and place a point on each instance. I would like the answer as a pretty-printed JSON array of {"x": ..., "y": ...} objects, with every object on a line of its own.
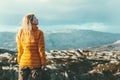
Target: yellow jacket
[{"x": 31, "y": 53}]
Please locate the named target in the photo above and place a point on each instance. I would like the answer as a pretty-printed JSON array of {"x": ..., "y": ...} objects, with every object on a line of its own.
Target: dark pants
[{"x": 26, "y": 73}]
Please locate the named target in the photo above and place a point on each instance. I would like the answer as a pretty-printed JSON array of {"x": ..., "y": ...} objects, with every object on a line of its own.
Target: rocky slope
[{"x": 74, "y": 64}]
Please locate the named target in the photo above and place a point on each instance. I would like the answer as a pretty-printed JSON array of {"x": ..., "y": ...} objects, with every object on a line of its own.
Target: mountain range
[{"x": 65, "y": 39}]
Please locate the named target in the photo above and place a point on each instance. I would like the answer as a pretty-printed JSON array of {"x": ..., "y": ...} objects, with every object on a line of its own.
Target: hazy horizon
[{"x": 55, "y": 28}]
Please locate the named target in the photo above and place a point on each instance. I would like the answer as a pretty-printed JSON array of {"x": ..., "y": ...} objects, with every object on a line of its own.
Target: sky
[{"x": 99, "y": 15}]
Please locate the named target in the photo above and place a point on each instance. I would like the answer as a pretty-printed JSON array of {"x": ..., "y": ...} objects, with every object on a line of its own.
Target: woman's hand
[{"x": 43, "y": 67}]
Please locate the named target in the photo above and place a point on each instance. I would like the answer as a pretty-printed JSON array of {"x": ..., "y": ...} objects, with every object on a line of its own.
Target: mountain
[
  {"x": 7, "y": 40},
  {"x": 65, "y": 39},
  {"x": 71, "y": 39},
  {"x": 113, "y": 47}
]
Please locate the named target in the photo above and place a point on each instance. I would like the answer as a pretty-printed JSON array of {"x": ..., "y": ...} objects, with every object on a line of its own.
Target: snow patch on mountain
[{"x": 117, "y": 42}]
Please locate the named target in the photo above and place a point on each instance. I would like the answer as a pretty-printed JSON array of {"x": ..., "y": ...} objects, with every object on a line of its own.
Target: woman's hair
[
  {"x": 26, "y": 23},
  {"x": 27, "y": 28}
]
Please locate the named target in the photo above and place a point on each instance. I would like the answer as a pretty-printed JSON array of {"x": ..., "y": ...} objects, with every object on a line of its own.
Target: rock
[{"x": 75, "y": 64}]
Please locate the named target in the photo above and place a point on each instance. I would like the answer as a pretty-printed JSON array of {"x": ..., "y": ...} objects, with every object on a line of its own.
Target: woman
[{"x": 31, "y": 49}]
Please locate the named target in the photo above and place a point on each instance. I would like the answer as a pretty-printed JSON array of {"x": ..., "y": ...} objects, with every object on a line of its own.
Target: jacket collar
[{"x": 35, "y": 28}]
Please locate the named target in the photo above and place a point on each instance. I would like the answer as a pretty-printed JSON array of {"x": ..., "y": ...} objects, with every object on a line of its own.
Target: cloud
[
  {"x": 56, "y": 9},
  {"x": 9, "y": 28},
  {"x": 87, "y": 26},
  {"x": 62, "y": 12}
]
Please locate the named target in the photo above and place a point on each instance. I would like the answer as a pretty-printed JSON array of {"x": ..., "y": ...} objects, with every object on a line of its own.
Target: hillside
[
  {"x": 73, "y": 64},
  {"x": 65, "y": 39},
  {"x": 71, "y": 39},
  {"x": 108, "y": 47}
]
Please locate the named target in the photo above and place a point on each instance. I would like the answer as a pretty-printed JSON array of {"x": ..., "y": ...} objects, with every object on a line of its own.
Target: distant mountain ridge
[
  {"x": 113, "y": 47},
  {"x": 65, "y": 39},
  {"x": 7, "y": 40},
  {"x": 79, "y": 39}
]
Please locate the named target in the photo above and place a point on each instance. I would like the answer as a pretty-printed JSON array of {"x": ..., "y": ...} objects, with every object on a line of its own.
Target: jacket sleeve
[
  {"x": 41, "y": 47},
  {"x": 19, "y": 46}
]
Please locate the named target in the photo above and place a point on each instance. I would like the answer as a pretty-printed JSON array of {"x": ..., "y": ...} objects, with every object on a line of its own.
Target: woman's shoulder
[{"x": 40, "y": 31}]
